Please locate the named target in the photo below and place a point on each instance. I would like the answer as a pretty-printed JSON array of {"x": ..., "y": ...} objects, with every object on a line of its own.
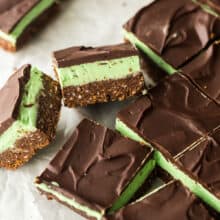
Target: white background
[{"x": 81, "y": 22}]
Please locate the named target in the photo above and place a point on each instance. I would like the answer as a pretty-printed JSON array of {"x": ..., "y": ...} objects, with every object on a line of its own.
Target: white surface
[{"x": 81, "y": 22}]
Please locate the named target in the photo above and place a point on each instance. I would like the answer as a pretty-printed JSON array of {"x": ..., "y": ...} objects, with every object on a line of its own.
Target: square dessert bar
[
  {"x": 170, "y": 202},
  {"x": 203, "y": 161},
  {"x": 171, "y": 32},
  {"x": 97, "y": 171},
  {"x": 175, "y": 114},
  {"x": 19, "y": 19},
  {"x": 94, "y": 75},
  {"x": 204, "y": 71},
  {"x": 31, "y": 103}
]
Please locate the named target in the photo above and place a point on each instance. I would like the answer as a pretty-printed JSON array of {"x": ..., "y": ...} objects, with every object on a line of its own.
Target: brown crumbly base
[
  {"x": 24, "y": 150},
  {"x": 48, "y": 117},
  {"x": 49, "y": 107},
  {"x": 103, "y": 91},
  {"x": 30, "y": 31}
]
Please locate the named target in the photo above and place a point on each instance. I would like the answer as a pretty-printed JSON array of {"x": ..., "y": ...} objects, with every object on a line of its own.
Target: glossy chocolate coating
[
  {"x": 10, "y": 96},
  {"x": 95, "y": 165},
  {"x": 174, "y": 114},
  {"x": 169, "y": 203},
  {"x": 175, "y": 30},
  {"x": 204, "y": 162},
  {"x": 78, "y": 55},
  {"x": 204, "y": 71}
]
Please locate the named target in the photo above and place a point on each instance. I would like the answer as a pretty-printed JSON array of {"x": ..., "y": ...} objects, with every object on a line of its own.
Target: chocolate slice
[
  {"x": 172, "y": 32},
  {"x": 204, "y": 71},
  {"x": 31, "y": 103},
  {"x": 95, "y": 75},
  {"x": 203, "y": 160},
  {"x": 175, "y": 114},
  {"x": 19, "y": 19},
  {"x": 97, "y": 171},
  {"x": 170, "y": 202}
]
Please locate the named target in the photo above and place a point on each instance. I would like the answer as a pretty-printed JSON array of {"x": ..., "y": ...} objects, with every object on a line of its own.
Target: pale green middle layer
[
  {"x": 82, "y": 74},
  {"x": 175, "y": 172},
  {"x": 125, "y": 197},
  {"x": 28, "y": 112},
  {"x": 26, "y": 20},
  {"x": 150, "y": 53}
]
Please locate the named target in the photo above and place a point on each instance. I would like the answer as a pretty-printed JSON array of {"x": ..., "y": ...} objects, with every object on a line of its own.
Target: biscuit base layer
[{"x": 103, "y": 91}]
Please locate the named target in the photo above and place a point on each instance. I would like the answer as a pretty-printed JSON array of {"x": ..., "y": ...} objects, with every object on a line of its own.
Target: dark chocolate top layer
[
  {"x": 10, "y": 96},
  {"x": 174, "y": 114},
  {"x": 204, "y": 70},
  {"x": 12, "y": 11},
  {"x": 204, "y": 162},
  {"x": 169, "y": 203},
  {"x": 95, "y": 165},
  {"x": 176, "y": 30},
  {"x": 79, "y": 55}
]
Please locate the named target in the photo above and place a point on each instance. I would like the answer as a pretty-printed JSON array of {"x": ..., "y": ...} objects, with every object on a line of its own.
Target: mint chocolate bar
[
  {"x": 31, "y": 103},
  {"x": 19, "y": 19},
  {"x": 94, "y": 75},
  {"x": 97, "y": 171},
  {"x": 204, "y": 71},
  {"x": 169, "y": 202},
  {"x": 203, "y": 160},
  {"x": 172, "y": 32},
  {"x": 175, "y": 115}
]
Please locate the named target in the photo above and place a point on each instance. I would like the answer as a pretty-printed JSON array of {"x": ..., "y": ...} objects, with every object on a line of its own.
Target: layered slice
[
  {"x": 169, "y": 202},
  {"x": 97, "y": 171},
  {"x": 204, "y": 71},
  {"x": 19, "y": 19},
  {"x": 203, "y": 160},
  {"x": 211, "y": 6},
  {"x": 31, "y": 103},
  {"x": 175, "y": 115},
  {"x": 171, "y": 32},
  {"x": 94, "y": 75}
]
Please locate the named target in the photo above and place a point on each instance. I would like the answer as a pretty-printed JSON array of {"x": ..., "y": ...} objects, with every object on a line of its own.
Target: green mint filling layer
[
  {"x": 133, "y": 186},
  {"x": 26, "y": 20},
  {"x": 191, "y": 184},
  {"x": 28, "y": 112},
  {"x": 71, "y": 202},
  {"x": 176, "y": 173},
  {"x": 82, "y": 74},
  {"x": 127, "y": 132},
  {"x": 206, "y": 8},
  {"x": 150, "y": 53}
]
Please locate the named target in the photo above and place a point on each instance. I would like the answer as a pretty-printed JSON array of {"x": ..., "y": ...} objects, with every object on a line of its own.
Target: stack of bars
[{"x": 170, "y": 134}]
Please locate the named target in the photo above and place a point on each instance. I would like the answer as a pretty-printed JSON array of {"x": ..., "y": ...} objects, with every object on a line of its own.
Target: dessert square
[
  {"x": 172, "y": 32},
  {"x": 175, "y": 114},
  {"x": 20, "y": 19},
  {"x": 95, "y": 75},
  {"x": 169, "y": 202},
  {"x": 97, "y": 171},
  {"x": 31, "y": 104}
]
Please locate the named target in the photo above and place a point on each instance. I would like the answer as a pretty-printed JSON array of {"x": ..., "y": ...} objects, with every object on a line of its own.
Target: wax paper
[{"x": 80, "y": 22}]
